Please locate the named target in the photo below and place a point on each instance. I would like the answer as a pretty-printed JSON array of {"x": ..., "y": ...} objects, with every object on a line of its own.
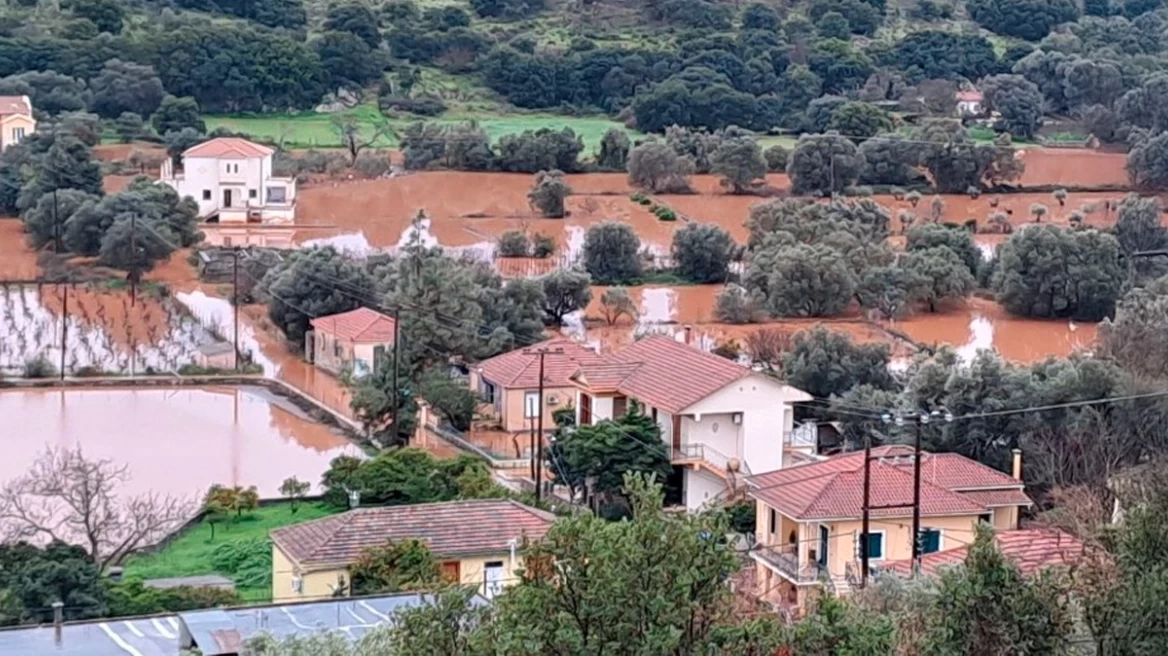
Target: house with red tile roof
[
  {"x": 809, "y": 517},
  {"x": 509, "y": 383},
  {"x": 16, "y": 120},
  {"x": 1031, "y": 549},
  {"x": 349, "y": 341},
  {"x": 476, "y": 542},
  {"x": 232, "y": 181},
  {"x": 721, "y": 420}
]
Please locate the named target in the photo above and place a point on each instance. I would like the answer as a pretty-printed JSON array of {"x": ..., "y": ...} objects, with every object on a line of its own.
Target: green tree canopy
[
  {"x": 1047, "y": 271},
  {"x": 612, "y": 253},
  {"x": 702, "y": 252},
  {"x": 824, "y": 362}
]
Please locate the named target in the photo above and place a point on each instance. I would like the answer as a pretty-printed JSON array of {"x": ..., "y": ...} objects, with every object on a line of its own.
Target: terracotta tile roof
[
  {"x": 14, "y": 105},
  {"x": 997, "y": 498},
  {"x": 228, "y": 147},
  {"x": 834, "y": 488},
  {"x": 519, "y": 369},
  {"x": 970, "y": 96},
  {"x": 662, "y": 372},
  {"x": 1031, "y": 549},
  {"x": 361, "y": 325},
  {"x": 450, "y": 529},
  {"x": 956, "y": 472}
]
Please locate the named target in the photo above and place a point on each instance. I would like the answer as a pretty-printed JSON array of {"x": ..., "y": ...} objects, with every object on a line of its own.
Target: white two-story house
[
  {"x": 721, "y": 420},
  {"x": 16, "y": 121},
  {"x": 231, "y": 180}
]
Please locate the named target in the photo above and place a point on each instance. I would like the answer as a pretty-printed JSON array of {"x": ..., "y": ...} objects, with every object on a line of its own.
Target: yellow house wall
[
  {"x": 318, "y": 584},
  {"x": 513, "y": 419},
  {"x": 1006, "y": 519},
  {"x": 842, "y": 548}
]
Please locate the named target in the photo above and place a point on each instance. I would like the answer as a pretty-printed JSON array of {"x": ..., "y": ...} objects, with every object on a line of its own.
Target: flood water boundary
[{"x": 306, "y": 403}]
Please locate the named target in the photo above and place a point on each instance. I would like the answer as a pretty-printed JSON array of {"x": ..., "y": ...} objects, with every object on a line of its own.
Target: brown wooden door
[
  {"x": 676, "y": 421},
  {"x": 620, "y": 407},
  {"x": 585, "y": 410},
  {"x": 451, "y": 571}
]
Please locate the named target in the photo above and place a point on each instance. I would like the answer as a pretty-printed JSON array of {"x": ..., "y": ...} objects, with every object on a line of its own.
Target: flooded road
[{"x": 178, "y": 441}]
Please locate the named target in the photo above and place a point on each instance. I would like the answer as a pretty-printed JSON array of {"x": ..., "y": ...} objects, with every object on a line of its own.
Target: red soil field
[
  {"x": 17, "y": 260},
  {"x": 1072, "y": 167}
]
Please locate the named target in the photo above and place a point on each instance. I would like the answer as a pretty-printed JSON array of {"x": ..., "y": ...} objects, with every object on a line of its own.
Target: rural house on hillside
[
  {"x": 231, "y": 179},
  {"x": 349, "y": 341},
  {"x": 718, "y": 418},
  {"x": 509, "y": 383},
  {"x": 16, "y": 121}
]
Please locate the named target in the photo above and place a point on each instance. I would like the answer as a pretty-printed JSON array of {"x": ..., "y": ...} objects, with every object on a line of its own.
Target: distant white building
[
  {"x": 16, "y": 121},
  {"x": 970, "y": 102},
  {"x": 231, "y": 180}
]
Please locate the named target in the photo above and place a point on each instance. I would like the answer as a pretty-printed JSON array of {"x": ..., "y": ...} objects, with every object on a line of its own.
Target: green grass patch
[
  {"x": 193, "y": 552},
  {"x": 312, "y": 130}
]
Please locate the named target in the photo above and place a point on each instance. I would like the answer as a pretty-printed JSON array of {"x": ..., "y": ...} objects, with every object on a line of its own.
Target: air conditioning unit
[
  {"x": 737, "y": 418},
  {"x": 297, "y": 584},
  {"x": 553, "y": 400}
]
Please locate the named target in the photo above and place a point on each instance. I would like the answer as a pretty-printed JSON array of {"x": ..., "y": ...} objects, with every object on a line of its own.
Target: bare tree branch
[{"x": 67, "y": 497}]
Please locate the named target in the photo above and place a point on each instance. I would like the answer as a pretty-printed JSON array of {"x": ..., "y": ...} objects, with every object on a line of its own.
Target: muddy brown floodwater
[
  {"x": 176, "y": 441},
  {"x": 975, "y": 324}
]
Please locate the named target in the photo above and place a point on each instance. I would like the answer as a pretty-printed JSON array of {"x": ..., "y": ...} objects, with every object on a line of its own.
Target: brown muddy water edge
[{"x": 315, "y": 410}]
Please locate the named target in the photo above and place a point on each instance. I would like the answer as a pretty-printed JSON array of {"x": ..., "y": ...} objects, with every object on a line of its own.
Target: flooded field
[
  {"x": 978, "y": 324},
  {"x": 102, "y": 330},
  {"x": 1073, "y": 167},
  {"x": 176, "y": 441}
]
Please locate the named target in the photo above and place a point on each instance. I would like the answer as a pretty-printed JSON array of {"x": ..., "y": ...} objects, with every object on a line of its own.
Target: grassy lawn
[
  {"x": 190, "y": 553},
  {"x": 310, "y": 130}
]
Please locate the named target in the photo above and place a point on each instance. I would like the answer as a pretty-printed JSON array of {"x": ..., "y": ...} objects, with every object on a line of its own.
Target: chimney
[
  {"x": 58, "y": 620},
  {"x": 1017, "y": 464},
  {"x": 689, "y": 335}
]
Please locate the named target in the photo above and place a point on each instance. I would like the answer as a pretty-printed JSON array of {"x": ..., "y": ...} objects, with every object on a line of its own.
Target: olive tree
[
  {"x": 809, "y": 281},
  {"x": 941, "y": 275},
  {"x": 824, "y": 164},
  {"x": 1048, "y": 271},
  {"x": 1147, "y": 162},
  {"x": 614, "y": 150},
  {"x": 548, "y": 193},
  {"x": 958, "y": 240},
  {"x": 565, "y": 290},
  {"x": 702, "y": 253},
  {"x": 1017, "y": 100},
  {"x": 657, "y": 168},
  {"x": 612, "y": 253},
  {"x": 739, "y": 162}
]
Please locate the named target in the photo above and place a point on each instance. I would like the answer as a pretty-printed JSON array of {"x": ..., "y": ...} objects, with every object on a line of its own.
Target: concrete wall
[
  {"x": 699, "y": 486},
  {"x": 955, "y": 532},
  {"x": 717, "y": 431},
  {"x": 514, "y": 416},
  {"x": 601, "y": 407},
  {"x": 1005, "y": 519}
]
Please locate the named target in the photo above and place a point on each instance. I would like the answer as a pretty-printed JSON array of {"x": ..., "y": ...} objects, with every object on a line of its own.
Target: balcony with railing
[
  {"x": 785, "y": 560},
  {"x": 701, "y": 454}
]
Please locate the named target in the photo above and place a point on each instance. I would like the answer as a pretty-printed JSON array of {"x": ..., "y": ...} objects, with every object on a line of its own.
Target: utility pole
[
  {"x": 396, "y": 359},
  {"x": 235, "y": 302},
  {"x": 133, "y": 258},
  {"x": 866, "y": 512},
  {"x": 537, "y": 451},
  {"x": 916, "y": 529},
  {"x": 64, "y": 325}
]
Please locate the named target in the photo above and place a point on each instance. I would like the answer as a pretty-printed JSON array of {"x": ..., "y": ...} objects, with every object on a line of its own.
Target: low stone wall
[{"x": 309, "y": 405}]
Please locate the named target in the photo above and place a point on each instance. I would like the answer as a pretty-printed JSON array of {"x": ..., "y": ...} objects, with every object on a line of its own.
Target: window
[
  {"x": 337, "y": 350},
  {"x": 17, "y": 135},
  {"x": 277, "y": 195},
  {"x": 986, "y": 518},
  {"x": 930, "y": 540},
  {"x": 487, "y": 391},
  {"x": 773, "y": 521},
  {"x": 251, "y": 193},
  {"x": 206, "y": 194},
  {"x": 875, "y": 545},
  {"x": 227, "y": 241},
  {"x": 530, "y": 405}
]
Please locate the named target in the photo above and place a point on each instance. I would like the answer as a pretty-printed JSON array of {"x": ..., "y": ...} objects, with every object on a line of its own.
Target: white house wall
[
  {"x": 699, "y": 486},
  {"x": 717, "y": 431},
  {"x": 766, "y": 415}
]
